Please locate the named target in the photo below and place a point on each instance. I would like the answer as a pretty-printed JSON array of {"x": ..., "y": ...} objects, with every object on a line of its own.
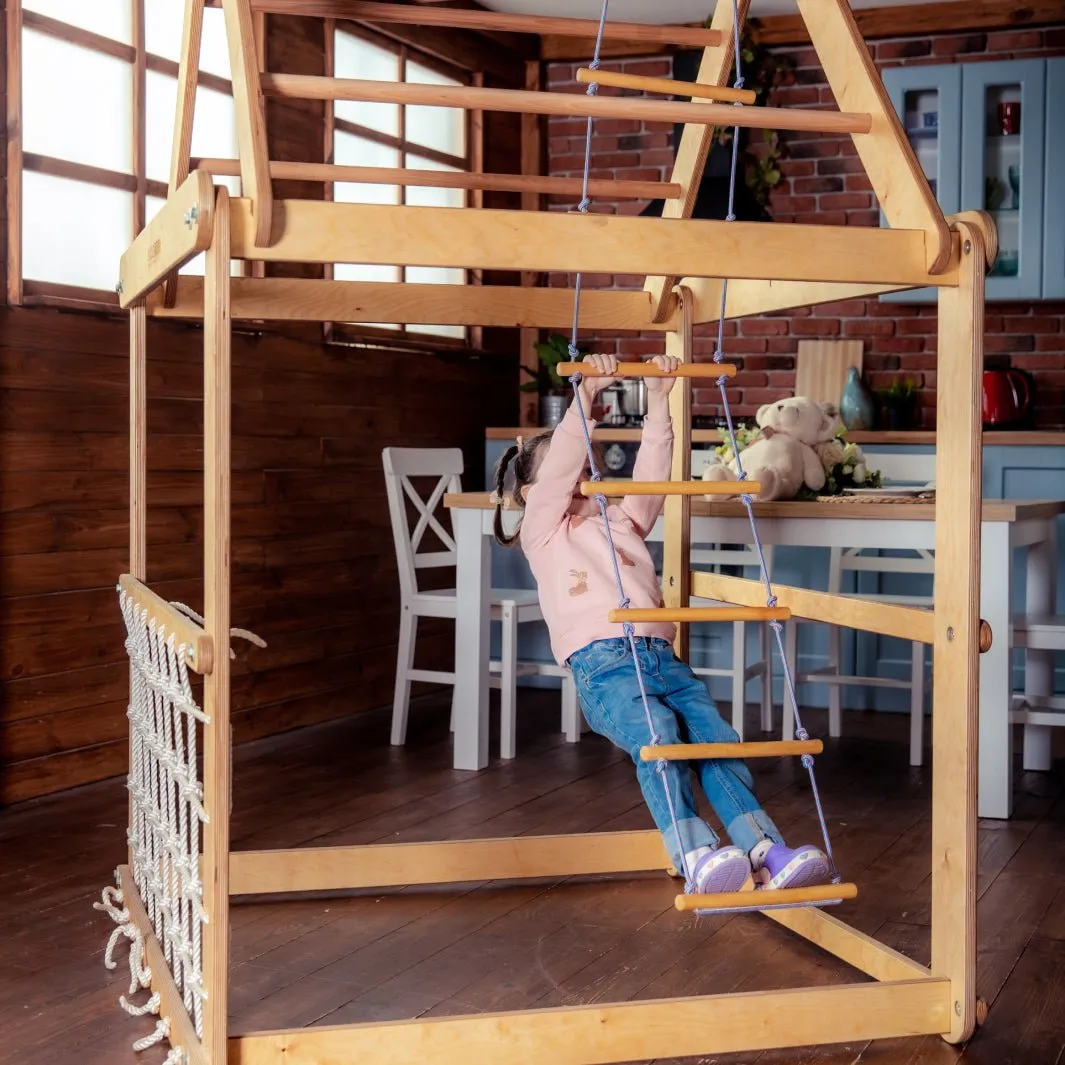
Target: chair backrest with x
[{"x": 414, "y": 515}]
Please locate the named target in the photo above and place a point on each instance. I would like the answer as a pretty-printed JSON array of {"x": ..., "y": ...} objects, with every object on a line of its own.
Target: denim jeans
[{"x": 682, "y": 711}]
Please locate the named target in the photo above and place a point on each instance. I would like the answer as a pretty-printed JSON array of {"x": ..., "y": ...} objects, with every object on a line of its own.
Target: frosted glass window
[
  {"x": 214, "y": 127},
  {"x": 214, "y": 50},
  {"x": 349, "y": 150},
  {"x": 356, "y": 58},
  {"x": 162, "y": 27},
  {"x": 424, "y": 196},
  {"x": 160, "y": 103},
  {"x": 76, "y": 104},
  {"x": 442, "y": 128},
  {"x": 108, "y": 18},
  {"x": 73, "y": 233},
  {"x": 436, "y": 275}
]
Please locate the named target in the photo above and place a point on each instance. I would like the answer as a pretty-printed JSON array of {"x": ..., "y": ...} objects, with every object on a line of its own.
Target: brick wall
[{"x": 824, "y": 183}]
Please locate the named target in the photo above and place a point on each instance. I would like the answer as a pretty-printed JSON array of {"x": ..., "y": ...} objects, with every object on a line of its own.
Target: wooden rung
[
  {"x": 444, "y": 179},
  {"x": 649, "y": 369},
  {"x": 721, "y": 93},
  {"x": 499, "y": 22},
  {"x": 679, "y": 752},
  {"x": 701, "y": 613},
  {"x": 199, "y": 654},
  {"x": 742, "y": 900},
  {"x": 522, "y": 101},
  {"x": 666, "y": 488}
]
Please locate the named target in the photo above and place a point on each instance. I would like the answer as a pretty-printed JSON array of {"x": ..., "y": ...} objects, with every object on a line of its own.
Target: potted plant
[
  {"x": 555, "y": 392},
  {"x": 898, "y": 404}
]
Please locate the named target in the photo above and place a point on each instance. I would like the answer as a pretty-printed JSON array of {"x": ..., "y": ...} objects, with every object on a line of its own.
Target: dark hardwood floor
[{"x": 438, "y": 951}]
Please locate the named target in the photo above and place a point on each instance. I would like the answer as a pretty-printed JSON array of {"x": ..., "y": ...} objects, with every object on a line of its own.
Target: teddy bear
[{"x": 785, "y": 456}]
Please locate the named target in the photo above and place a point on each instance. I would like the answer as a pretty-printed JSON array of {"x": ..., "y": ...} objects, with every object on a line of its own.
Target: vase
[
  {"x": 552, "y": 410},
  {"x": 856, "y": 407}
]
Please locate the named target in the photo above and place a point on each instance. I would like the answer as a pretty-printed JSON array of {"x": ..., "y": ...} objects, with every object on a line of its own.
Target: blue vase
[{"x": 856, "y": 407}]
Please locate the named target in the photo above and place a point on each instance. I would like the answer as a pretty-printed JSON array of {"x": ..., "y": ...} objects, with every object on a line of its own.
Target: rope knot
[
  {"x": 807, "y": 761},
  {"x": 628, "y": 628},
  {"x": 746, "y": 499},
  {"x": 624, "y": 604},
  {"x": 776, "y": 626},
  {"x": 662, "y": 765},
  {"x": 584, "y": 205},
  {"x": 772, "y": 600},
  {"x": 801, "y": 734}
]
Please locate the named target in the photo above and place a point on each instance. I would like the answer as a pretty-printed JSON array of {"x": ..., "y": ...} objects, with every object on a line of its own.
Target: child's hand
[
  {"x": 607, "y": 365},
  {"x": 663, "y": 385}
]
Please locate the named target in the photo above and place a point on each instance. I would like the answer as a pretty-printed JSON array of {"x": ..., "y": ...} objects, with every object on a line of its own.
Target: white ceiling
[{"x": 662, "y": 11}]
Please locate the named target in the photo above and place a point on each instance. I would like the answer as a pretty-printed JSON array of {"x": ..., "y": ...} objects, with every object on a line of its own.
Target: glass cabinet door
[
  {"x": 1053, "y": 177},
  {"x": 1003, "y": 129},
  {"x": 928, "y": 102}
]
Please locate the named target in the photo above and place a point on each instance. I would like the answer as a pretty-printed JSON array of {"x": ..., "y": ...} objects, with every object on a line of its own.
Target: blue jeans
[{"x": 682, "y": 711}]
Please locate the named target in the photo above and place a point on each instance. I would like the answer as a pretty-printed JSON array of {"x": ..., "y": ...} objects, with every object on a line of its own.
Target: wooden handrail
[
  {"x": 521, "y": 101},
  {"x": 445, "y": 179},
  {"x": 616, "y": 80}
]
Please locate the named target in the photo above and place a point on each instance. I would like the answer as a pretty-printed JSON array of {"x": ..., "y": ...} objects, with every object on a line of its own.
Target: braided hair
[{"x": 525, "y": 457}]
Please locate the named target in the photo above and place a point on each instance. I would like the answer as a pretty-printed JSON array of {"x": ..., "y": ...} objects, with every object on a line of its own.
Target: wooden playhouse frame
[{"x": 773, "y": 267}]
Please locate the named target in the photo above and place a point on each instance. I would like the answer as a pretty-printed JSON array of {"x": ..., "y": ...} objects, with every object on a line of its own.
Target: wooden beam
[
  {"x": 956, "y": 654},
  {"x": 706, "y": 370},
  {"x": 138, "y": 442},
  {"x": 890, "y": 162},
  {"x": 628, "y": 1031},
  {"x": 316, "y": 231},
  {"x": 888, "y": 619},
  {"x": 695, "y": 143},
  {"x": 200, "y": 648},
  {"x": 171, "y": 1004},
  {"x": 450, "y": 862},
  {"x": 443, "y": 179},
  {"x": 180, "y": 231},
  {"x": 520, "y": 101},
  {"x": 708, "y": 614},
  {"x": 250, "y": 115},
  {"x": 504, "y": 306},
  {"x": 617, "y": 489},
  {"x": 720, "y": 93}
]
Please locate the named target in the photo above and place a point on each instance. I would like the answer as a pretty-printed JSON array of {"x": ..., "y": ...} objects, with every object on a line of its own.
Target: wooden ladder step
[
  {"x": 700, "y": 613},
  {"x": 762, "y": 899},
  {"x": 617, "y": 80},
  {"x": 649, "y": 369},
  {"x": 669, "y": 488},
  {"x": 678, "y": 752}
]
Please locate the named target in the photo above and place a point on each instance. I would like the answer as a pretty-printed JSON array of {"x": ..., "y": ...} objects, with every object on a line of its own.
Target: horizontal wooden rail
[
  {"x": 666, "y": 488},
  {"x": 694, "y": 614},
  {"x": 200, "y": 653},
  {"x": 680, "y": 752},
  {"x": 649, "y": 369},
  {"x": 739, "y": 900},
  {"x": 444, "y": 179},
  {"x": 616, "y": 80},
  {"x": 494, "y": 21},
  {"x": 578, "y": 105}
]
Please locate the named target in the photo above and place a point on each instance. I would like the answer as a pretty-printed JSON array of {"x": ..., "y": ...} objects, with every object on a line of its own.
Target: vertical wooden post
[
  {"x": 676, "y": 546},
  {"x": 138, "y": 441},
  {"x": 139, "y": 118},
  {"x": 955, "y": 706},
  {"x": 13, "y": 87},
  {"x": 216, "y": 556},
  {"x": 531, "y": 163}
]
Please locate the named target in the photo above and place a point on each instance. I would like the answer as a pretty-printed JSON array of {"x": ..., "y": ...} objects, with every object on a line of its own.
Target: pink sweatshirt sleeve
[
  {"x": 551, "y": 497},
  {"x": 654, "y": 462}
]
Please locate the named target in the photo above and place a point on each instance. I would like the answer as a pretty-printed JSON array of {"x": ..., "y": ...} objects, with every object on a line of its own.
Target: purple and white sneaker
[
  {"x": 794, "y": 867},
  {"x": 721, "y": 870}
]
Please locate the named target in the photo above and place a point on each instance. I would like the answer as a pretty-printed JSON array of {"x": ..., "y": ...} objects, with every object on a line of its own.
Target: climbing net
[{"x": 748, "y": 501}]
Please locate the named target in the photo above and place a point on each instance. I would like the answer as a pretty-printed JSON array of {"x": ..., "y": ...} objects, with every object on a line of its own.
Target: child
[{"x": 562, "y": 535}]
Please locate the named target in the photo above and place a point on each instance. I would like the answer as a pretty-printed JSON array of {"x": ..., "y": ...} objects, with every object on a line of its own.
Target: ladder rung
[
  {"x": 668, "y": 488},
  {"x": 678, "y": 752},
  {"x": 701, "y": 613},
  {"x": 649, "y": 369},
  {"x": 762, "y": 899},
  {"x": 721, "y": 93}
]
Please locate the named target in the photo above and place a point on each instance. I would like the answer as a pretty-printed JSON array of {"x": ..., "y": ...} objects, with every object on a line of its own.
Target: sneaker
[
  {"x": 793, "y": 867},
  {"x": 726, "y": 869}
]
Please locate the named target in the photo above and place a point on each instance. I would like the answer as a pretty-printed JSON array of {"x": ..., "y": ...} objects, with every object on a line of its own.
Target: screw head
[
  {"x": 957, "y": 1008},
  {"x": 968, "y": 246},
  {"x": 950, "y": 632},
  {"x": 118, "y": 288}
]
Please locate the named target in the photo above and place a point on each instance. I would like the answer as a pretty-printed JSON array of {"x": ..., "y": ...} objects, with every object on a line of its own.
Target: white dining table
[{"x": 1006, "y": 525}]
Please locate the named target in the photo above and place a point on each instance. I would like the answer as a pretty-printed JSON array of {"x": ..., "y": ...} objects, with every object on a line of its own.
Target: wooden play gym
[{"x": 172, "y": 898}]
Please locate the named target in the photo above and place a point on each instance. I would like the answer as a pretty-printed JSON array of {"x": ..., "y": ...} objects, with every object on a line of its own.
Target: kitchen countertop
[{"x": 1044, "y": 438}]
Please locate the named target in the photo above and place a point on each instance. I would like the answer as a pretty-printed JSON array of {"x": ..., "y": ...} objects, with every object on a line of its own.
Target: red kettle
[{"x": 1007, "y": 397}]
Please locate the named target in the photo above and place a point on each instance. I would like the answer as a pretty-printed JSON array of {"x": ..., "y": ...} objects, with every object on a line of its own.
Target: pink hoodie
[{"x": 565, "y": 542}]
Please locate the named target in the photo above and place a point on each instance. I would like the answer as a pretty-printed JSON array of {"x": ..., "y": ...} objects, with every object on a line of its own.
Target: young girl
[{"x": 562, "y": 535}]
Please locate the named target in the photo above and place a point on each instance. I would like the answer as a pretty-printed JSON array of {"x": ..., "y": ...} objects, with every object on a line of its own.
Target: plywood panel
[{"x": 822, "y": 366}]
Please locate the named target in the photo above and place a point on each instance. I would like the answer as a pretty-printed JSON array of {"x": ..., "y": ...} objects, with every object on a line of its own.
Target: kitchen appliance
[
  {"x": 627, "y": 401},
  {"x": 1008, "y": 395}
]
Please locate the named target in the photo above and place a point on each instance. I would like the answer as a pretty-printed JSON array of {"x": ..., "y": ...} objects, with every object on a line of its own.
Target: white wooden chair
[
  {"x": 1037, "y": 708},
  {"x": 413, "y": 516},
  {"x": 899, "y": 469}
]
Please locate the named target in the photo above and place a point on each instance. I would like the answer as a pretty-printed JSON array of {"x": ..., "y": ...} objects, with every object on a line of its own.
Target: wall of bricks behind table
[{"x": 824, "y": 183}]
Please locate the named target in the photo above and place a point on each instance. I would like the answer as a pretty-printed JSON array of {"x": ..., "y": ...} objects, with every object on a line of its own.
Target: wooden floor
[{"x": 484, "y": 947}]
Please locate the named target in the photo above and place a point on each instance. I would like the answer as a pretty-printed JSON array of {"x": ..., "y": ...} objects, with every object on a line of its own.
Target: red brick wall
[{"x": 824, "y": 183}]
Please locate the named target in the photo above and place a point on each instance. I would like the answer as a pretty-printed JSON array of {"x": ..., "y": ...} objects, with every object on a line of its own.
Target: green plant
[{"x": 550, "y": 352}]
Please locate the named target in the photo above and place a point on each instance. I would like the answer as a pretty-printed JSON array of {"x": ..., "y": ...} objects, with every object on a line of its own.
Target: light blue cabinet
[{"x": 988, "y": 138}]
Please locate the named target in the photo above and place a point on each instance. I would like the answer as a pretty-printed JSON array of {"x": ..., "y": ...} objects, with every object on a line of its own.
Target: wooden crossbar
[
  {"x": 617, "y": 80},
  {"x": 199, "y": 655},
  {"x": 680, "y": 752},
  {"x": 650, "y": 369},
  {"x": 742, "y": 900},
  {"x": 692, "y": 614},
  {"x": 522, "y": 101},
  {"x": 500, "y": 22},
  {"x": 447, "y": 179},
  {"x": 665, "y": 488}
]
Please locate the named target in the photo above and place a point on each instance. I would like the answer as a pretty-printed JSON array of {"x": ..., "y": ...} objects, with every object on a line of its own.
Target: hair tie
[{"x": 521, "y": 444}]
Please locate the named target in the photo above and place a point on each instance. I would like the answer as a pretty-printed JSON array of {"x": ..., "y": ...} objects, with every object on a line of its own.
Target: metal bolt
[
  {"x": 118, "y": 288},
  {"x": 950, "y": 632},
  {"x": 968, "y": 246},
  {"x": 672, "y": 581},
  {"x": 191, "y": 215},
  {"x": 957, "y": 1008}
]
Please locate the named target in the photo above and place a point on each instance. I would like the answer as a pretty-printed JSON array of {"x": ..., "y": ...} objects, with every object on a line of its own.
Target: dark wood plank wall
[{"x": 314, "y": 564}]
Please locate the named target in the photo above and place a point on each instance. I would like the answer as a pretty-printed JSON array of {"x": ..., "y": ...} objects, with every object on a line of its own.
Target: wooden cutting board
[{"x": 821, "y": 368}]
